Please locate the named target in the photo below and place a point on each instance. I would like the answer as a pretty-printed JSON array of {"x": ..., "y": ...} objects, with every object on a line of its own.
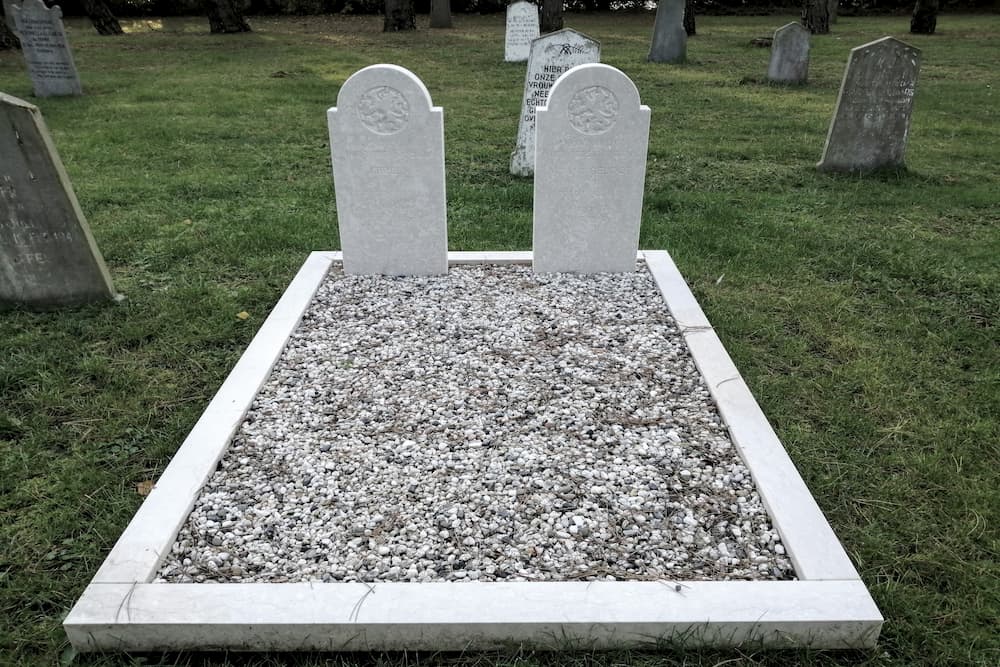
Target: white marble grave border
[{"x": 827, "y": 607}]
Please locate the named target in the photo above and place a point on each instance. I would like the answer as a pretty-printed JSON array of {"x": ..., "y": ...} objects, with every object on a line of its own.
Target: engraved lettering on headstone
[
  {"x": 46, "y": 49},
  {"x": 522, "y": 28},
  {"x": 47, "y": 254},
  {"x": 551, "y": 55},
  {"x": 871, "y": 121}
]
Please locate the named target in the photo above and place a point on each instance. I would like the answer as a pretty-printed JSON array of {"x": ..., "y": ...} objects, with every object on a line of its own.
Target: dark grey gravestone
[
  {"x": 8, "y": 14},
  {"x": 46, "y": 50},
  {"x": 872, "y": 119},
  {"x": 48, "y": 256},
  {"x": 669, "y": 43},
  {"x": 789, "y": 54}
]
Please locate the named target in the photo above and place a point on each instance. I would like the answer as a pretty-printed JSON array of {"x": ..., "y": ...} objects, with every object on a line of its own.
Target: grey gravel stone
[{"x": 490, "y": 424}]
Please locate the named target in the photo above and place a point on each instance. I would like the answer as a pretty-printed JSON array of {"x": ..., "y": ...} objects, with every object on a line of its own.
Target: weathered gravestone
[
  {"x": 551, "y": 55},
  {"x": 669, "y": 44},
  {"x": 872, "y": 118},
  {"x": 590, "y": 172},
  {"x": 789, "y": 54},
  {"x": 48, "y": 256},
  {"x": 46, "y": 50},
  {"x": 522, "y": 28},
  {"x": 387, "y": 147}
]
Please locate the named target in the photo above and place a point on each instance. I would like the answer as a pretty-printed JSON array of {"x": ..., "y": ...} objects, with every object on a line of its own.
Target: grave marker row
[{"x": 387, "y": 149}]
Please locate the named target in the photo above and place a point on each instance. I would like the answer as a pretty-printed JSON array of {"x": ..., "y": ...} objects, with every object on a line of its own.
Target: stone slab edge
[{"x": 120, "y": 610}]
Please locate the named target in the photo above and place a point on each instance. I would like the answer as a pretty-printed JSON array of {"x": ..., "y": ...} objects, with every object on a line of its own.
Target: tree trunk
[
  {"x": 225, "y": 16},
  {"x": 440, "y": 13},
  {"x": 100, "y": 15},
  {"x": 816, "y": 16},
  {"x": 689, "y": 26},
  {"x": 552, "y": 16},
  {"x": 832, "y": 8},
  {"x": 399, "y": 16},
  {"x": 924, "y": 21}
]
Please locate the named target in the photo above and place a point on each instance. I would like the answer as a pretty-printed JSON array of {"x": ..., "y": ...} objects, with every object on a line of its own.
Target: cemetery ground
[{"x": 861, "y": 310}]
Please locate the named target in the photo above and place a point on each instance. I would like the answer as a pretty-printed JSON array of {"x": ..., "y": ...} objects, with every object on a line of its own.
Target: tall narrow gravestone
[
  {"x": 387, "y": 147},
  {"x": 789, "y": 55},
  {"x": 872, "y": 118},
  {"x": 46, "y": 49},
  {"x": 48, "y": 256},
  {"x": 669, "y": 44},
  {"x": 522, "y": 28},
  {"x": 590, "y": 173},
  {"x": 551, "y": 55}
]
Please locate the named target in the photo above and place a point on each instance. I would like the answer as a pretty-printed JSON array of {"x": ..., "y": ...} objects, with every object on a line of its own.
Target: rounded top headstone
[
  {"x": 384, "y": 98},
  {"x": 593, "y": 96}
]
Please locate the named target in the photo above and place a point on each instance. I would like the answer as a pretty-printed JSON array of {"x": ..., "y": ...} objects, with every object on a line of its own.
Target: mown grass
[{"x": 862, "y": 310}]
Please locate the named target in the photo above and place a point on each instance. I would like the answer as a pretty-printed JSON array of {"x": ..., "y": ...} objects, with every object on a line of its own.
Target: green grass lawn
[{"x": 862, "y": 311}]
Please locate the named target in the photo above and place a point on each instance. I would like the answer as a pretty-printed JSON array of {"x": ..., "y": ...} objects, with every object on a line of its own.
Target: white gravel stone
[{"x": 490, "y": 424}]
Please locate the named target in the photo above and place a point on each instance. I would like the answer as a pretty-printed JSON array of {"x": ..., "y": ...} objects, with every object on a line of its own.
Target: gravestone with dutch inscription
[
  {"x": 48, "y": 256},
  {"x": 551, "y": 55},
  {"x": 590, "y": 172},
  {"x": 387, "y": 147},
  {"x": 522, "y": 28},
  {"x": 789, "y": 55},
  {"x": 669, "y": 43},
  {"x": 871, "y": 121},
  {"x": 46, "y": 49}
]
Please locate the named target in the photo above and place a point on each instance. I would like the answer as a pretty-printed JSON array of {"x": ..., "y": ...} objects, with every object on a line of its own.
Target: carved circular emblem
[
  {"x": 384, "y": 110},
  {"x": 593, "y": 110}
]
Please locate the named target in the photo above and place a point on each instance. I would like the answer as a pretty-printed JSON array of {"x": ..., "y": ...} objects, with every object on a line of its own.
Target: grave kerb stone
[
  {"x": 591, "y": 148},
  {"x": 387, "y": 149},
  {"x": 46, "y": 49},
  {"x": 551, "y": 55},
  {"x": 789, "y": 55},
  {"x": 48, "y": 256},
  {"x": 522, "y": 28},
  {"x": 871, "y": 121}
]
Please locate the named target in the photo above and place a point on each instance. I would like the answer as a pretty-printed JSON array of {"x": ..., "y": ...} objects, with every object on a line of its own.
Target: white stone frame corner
[{"x": 828, "y": 607}]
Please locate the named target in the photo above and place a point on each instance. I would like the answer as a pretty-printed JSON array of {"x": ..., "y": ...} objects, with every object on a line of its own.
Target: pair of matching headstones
[{"x": 387, "y": 148}]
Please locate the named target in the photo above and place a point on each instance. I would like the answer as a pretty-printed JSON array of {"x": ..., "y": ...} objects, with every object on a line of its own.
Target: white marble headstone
[
  {"x": 46, "y": 49},
  {"x": 590, "y": 172},
  {"x": 551, "y": 55},
  {"x": 789, "y": 54},
  {"x": 871, "y": 122},
  {"x": 387, "y": 147},
  {"x": 522, "y": 28}
]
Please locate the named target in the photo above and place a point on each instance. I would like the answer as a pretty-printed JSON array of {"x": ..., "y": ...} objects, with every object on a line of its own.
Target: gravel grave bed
[{"x": 491, "y": 424}]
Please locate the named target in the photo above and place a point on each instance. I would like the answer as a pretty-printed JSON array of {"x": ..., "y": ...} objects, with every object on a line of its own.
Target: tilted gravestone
[
  {"x": 590, "y": 173},
  {"x": 522, "y": 28},
  {"x": 46, "y": 50},
  {"x": 871, "y": 121},
  {"x": 551, "y": 55},
  {"x": 669, "y": 44},
  {"x": 387, "y": 147},
  {"x": 789, "y": 55},
  {"x": 48, "y": 256}
]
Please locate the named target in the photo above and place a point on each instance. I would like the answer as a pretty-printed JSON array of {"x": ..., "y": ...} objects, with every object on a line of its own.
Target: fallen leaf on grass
[
  {"x": 243, "y": 315},
  {"x": 143, "y": 488}
]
